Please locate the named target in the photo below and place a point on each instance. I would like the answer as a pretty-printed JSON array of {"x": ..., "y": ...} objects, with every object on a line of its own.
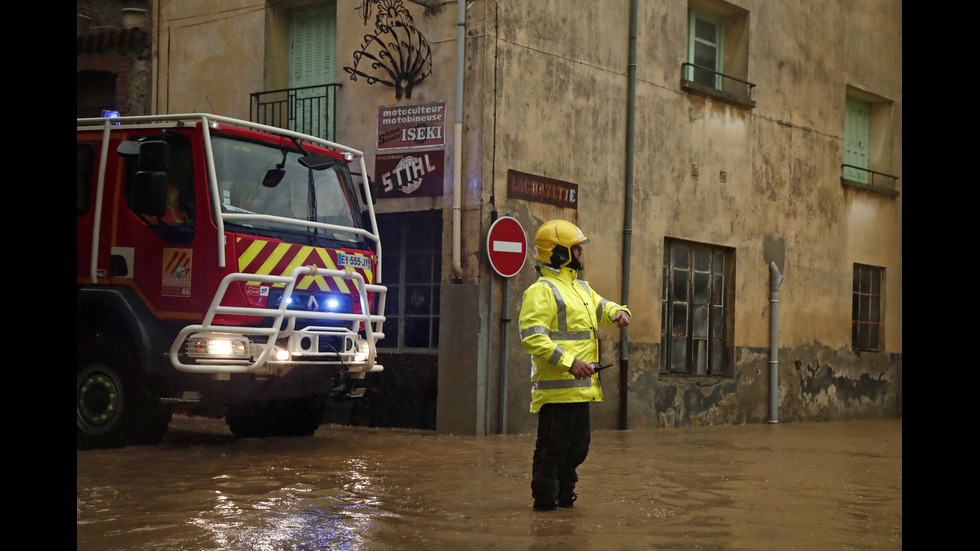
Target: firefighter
[
  {"x": 176, "y": 212},
  {"x": 558, "y": 321}
]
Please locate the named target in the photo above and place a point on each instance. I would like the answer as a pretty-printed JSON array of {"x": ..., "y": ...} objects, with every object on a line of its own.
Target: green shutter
[
  {"x": 312, "y": 62},
  {"x": 312, "y": 45},
  {"x": 857, "y": 135}
]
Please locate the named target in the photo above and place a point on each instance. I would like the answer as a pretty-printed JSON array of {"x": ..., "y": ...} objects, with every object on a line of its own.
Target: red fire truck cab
[{"x": 223, "y": 267}]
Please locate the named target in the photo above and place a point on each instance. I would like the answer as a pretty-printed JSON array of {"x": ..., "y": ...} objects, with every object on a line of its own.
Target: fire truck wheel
[
  {"x": 113, "y": 410},
  {"x": 245, "y": 419},
  {"x": 296, "y": 417},
  {"x": 301, "y": 416}
]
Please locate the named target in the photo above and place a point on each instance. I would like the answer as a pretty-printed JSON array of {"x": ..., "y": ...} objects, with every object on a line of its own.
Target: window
[
  {"x": 867, "y": 136},
  {"x": 243, "y": 166},
  {"x": 411, "y": 269},
  {"x": 866, "y": 308},
  {"x": 704, "y": 48},
  {"x": 857, "y": 136},
  {"x": 172, "y": 213},
  {"x": 697, "y": 311},
  {"x": 312, "y": 64},
  {"x": 717, "y": 52}
]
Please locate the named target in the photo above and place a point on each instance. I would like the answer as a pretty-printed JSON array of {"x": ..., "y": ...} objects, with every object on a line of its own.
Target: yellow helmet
[{"x": 554, "y": 241}]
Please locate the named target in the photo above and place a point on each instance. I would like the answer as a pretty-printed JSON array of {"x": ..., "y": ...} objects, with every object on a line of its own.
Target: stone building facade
[
  {"x": 113, "y": 59},
  {"x": 737, "y": 166}
]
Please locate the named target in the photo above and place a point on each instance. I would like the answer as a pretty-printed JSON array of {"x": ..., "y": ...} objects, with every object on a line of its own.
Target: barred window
[
  {"x": 697, "y": 309},
  {"x": 412, "y": 267},
  {"x": 866, "y": 307}
]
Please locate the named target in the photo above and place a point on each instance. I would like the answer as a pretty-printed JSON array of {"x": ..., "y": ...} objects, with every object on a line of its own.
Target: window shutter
[
  {"x": 312, "y": 63},
  {"x": 857, "y": 135},
  {"x": 312, "y": 45}
]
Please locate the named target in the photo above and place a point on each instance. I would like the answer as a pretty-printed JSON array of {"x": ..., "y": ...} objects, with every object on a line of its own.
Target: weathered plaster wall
[
  {"x": 210, "y": 56},
  {"x": 764, "y": 181},
  {"x": 545, "y": 93}
]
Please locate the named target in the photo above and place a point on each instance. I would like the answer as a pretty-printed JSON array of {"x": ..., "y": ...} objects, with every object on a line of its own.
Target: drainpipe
[
  {"x": 775, "y": 280},
  {"x": 458, "y": 138},
  {"x": 628, "y": 215}
]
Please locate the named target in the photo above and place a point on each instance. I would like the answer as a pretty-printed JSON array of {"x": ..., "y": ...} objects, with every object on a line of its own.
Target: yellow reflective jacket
[{"x": 559, "y": 317}]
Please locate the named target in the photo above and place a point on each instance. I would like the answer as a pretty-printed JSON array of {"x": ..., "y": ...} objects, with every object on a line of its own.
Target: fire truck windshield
[{"x": 301, "y": 193}]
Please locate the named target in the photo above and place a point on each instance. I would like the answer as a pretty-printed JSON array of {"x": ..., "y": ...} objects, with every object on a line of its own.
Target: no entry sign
[{"x": 506, "y": 246}]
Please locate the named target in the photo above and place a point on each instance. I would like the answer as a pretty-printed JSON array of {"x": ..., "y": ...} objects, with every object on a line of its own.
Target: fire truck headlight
[
  {"x": 202, "y": 345},
  {"x": 282, "y": 354},
  {"x": 362, "y": 352}
]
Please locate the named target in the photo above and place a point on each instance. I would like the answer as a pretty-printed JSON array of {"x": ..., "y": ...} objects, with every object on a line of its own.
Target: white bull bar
[{"x": 259, "y": 358}]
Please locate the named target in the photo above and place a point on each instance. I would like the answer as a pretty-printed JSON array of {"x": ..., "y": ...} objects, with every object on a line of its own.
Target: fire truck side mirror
[
  {"x": 154, "y": 156},
  {"x": 150, "y": 193},
  {"x": 373, "y": 189},
  {"x": 273, "y": 176}
]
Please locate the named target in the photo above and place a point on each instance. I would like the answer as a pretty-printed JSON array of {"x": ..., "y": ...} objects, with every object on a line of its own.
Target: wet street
[{"x": 787, "y": 486}]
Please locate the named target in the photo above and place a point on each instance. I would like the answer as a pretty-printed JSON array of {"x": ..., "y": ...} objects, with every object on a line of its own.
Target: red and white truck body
[{"x": 222, "y": 266}]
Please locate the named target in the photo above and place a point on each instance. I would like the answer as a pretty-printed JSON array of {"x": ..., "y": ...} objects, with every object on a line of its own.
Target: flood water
[{"x": 786, "y": 486}]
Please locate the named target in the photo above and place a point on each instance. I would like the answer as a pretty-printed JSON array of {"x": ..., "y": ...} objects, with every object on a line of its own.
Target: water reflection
[{"x": 791, "y": 486}]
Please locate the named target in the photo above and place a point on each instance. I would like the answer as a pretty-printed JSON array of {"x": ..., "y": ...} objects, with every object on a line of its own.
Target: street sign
[{"x": 506, "y": 246}]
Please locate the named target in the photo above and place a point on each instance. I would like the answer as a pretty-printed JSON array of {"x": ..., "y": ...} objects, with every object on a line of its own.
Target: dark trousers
[{"x": 564, "y": 434}]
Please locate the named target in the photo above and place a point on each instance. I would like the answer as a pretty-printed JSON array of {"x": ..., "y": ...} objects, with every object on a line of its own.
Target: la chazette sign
[{"x": 542, "y": 189}]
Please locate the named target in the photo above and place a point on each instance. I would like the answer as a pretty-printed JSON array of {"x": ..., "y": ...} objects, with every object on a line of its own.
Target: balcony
[
  {"x": 706, "y": 82},
  {"x": 870, "y": 180},
  {"x": 309, "y": 109}
]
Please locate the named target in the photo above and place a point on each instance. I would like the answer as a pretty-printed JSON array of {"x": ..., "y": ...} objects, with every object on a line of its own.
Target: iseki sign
[
  {"x": 416, "y": 174},
  {"x": 413, "y": 125}
]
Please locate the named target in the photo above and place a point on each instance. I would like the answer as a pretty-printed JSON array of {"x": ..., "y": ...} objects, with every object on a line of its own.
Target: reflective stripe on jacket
[{"x": 558, "y": 321}]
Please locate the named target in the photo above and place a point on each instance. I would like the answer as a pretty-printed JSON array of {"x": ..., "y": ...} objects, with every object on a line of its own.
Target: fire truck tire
[
  {"x": 294, "y": 417},
  {"x": 113, "y": 409}
]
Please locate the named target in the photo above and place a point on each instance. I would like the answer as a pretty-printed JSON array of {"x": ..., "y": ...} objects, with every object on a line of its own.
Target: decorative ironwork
[
  {"x": 398, "y": 54},
  {"x": 309, "y": 109}
]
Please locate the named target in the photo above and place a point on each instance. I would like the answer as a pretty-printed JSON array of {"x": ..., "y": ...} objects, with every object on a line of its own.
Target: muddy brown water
[{"x": 786, "y": 486}]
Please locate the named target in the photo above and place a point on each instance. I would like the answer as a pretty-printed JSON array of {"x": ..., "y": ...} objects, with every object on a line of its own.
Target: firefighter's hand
[
  {"x": 621, "y": 319},
  {"x": 581, "y": 370}
]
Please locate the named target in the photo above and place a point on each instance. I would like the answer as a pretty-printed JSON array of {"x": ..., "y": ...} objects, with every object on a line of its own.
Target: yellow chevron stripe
[
  {"x": 338, "y": 281},
  {"x": 246, "y": 257},
  {"x": 277, "y": 254},
  {"x": 299, "y": 258}
]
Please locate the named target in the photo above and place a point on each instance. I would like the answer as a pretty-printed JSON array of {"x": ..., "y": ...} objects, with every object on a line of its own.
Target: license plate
[{"x": 354, "y": 261}]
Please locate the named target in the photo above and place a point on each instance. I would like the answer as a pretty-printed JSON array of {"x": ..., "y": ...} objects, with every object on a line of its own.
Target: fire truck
[{"x": 223, "y": 268}]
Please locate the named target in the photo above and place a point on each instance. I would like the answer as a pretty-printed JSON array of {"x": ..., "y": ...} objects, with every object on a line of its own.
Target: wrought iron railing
[
  {"x": 864, "y": 177},
  {"x": 713, "y": 82},
  {"x": 308, "y": 109}
]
